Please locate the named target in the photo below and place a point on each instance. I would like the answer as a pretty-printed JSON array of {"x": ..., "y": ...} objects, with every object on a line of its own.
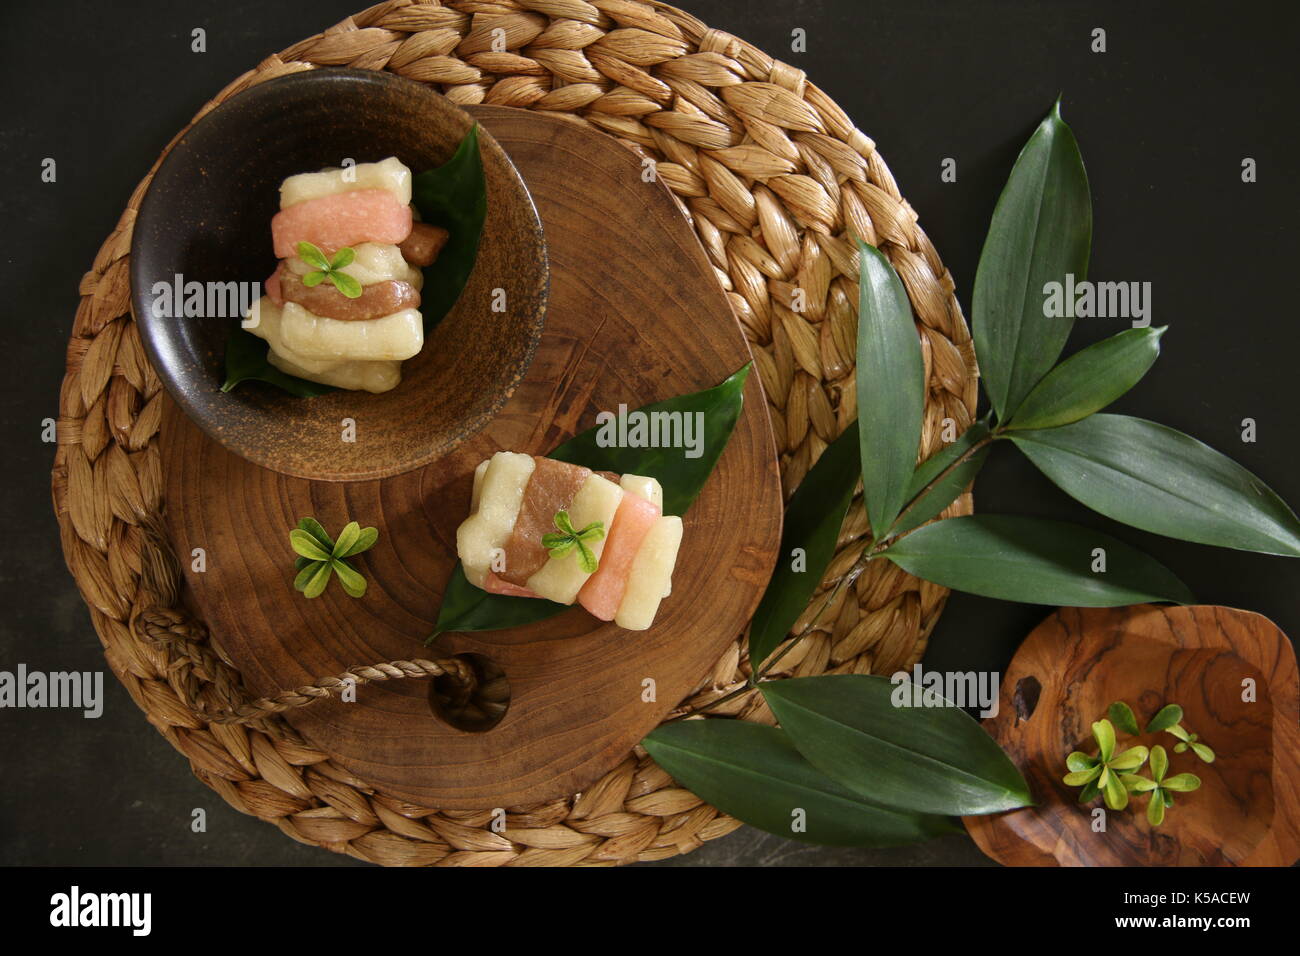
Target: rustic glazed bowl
[{"x": 207, "y": 215}]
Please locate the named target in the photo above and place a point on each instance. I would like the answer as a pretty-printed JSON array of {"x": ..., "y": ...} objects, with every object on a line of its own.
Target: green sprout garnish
[
  {"x": 1101, "y": 774},
  {"x": 331, "y": 269},
  {"x": 568, "y": 540},
  {"x": 1166, "y": 717},
  {"x": 320, "y": 558},
  {"x": 1121, "y": 715},
  {"x": 1160, "y": 787},
  {"x": 1189, "y": 740}
]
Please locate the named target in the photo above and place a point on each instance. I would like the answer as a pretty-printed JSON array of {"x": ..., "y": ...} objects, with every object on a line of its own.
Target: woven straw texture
[{"x": 776, "y": 181}]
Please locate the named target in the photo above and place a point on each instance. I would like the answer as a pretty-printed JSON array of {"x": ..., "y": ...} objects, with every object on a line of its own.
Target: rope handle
[{"x": 214, "y": 688}]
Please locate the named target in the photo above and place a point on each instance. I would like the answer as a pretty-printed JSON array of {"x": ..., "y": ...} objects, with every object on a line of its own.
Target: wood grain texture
[
  {"x": 1247, "y": 811},
  {"x": 636, "y": 315}
]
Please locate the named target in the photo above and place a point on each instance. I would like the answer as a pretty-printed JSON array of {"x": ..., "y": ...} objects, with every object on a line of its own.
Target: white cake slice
[
  {"x": 389, "y": 338},
  {"x": 497, "y": 498},
  {"x": 391, "y": 174},
  {"x": 651, "y": 575},
  {"x": 644, "y": 487}
]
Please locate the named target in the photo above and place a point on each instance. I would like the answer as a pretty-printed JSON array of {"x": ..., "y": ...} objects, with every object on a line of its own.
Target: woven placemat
[{"x": 776, "y": 181}]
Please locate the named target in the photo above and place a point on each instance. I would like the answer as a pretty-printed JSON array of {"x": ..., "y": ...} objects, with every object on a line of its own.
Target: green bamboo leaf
[
  {"x": 755, "y": 774},
  {"x": 1040, "y": 233},
  {"x": 1089, "y": 380},
  {"x": 353, "y": 583},
  {"x": 1156, "y": 809},
  {"x": 1104, "y": 732},
  {"x": 453, "y": 196},
  {"x": 315, "y": 586},
  {"x": 1168, "y": 797},
  {"x": 890, "y": 388},
  {"x": 1130, "y": 759},
  {"x": 467, "y": 608},
  {"x": 928, "y": 759},
  {"x": 365, "y": 541},
  {"x": 1122, "y": 716},
  {"x": 1160, "y": 480},
  {"x": 1035, "y": 561},
  {"x": 347, "y": 538},
  {"x": 305, "y": 573},
  {"x": 306, "y": 544},
  {"x": 945, "y": 490},
  {"x": 1089, "y": 792},
  {"x": 1182, "y": 783},
  {"x": 313, "y": 279},
  {"x": 1204, "y": 752},
  {"x": 812, "y": 523},
  {"x": 1165, "y": 719}
]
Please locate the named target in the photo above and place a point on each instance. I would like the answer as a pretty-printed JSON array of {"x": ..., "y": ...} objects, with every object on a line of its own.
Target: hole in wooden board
[
  {"x": 475, "y": 705},
  {"x": 1028, "y": 690}
]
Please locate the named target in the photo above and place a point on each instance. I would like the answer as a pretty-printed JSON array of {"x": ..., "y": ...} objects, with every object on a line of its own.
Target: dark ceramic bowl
[{"x": 207, "y": 215}]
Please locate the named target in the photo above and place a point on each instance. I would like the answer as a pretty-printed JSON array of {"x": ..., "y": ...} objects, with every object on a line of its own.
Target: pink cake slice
[
  {"x": 343, "y": 219},
  {"x": 603, "y": 592}
]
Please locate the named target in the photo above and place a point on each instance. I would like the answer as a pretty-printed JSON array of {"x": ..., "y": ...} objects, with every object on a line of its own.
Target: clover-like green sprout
[
  {"x": 1160, "y": 787},
  {"x": 567, "y": 539},
  {"x": 320, "y": 558},
  {"x": 331, "y": 269},
  {"x": 1101, "y": 773}
]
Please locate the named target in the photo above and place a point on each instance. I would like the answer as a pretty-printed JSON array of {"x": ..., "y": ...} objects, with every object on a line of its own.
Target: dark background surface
[{"x": 1164, "y": 118}]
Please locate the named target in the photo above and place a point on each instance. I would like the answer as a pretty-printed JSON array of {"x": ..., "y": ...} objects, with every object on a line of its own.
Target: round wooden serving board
[
  {"x": 1077, "y": 662},
  {"x": 636, "y": 315}
]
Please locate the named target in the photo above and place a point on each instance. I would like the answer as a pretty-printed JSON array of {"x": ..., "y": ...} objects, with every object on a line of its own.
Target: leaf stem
[
  {"x": 957, "y": 463},
  {"x": 870, "y": 551}
]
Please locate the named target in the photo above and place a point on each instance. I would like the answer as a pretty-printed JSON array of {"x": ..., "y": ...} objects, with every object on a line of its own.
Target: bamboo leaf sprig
[
  {"x": 1134, "y": 471},
  {"x": 1120, "y": 466},
  {"x": 320, "y": 557}
]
